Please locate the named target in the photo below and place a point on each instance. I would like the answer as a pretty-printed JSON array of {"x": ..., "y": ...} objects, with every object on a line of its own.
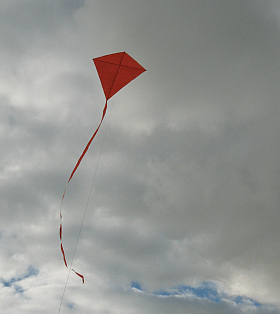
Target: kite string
[{"x": 86, "y": 207}]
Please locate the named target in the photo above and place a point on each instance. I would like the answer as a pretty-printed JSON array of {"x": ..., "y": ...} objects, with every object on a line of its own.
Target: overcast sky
[{"x": 184, "y": 212}]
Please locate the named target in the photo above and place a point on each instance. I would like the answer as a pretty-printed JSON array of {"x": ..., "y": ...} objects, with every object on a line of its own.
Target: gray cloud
[{"x": 187, "y": 187}]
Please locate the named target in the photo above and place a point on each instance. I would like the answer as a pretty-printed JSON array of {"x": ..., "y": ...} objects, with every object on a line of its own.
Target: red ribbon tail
[
  {"x": 64, "y": 258},
  {"x": 88, "y": 144},
  {"x": 83, "y": 279}
]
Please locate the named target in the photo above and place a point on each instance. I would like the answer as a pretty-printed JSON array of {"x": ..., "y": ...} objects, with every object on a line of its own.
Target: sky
[{"x": 184, "y": 210}]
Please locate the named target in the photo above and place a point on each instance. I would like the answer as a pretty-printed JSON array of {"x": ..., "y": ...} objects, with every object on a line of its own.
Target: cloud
[{"x": 186, "y": 190}]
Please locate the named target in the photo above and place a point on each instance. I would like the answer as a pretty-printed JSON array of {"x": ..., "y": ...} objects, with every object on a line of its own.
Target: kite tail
[
  {"x": 74, "y": 170},
  {"x": 88, "y": 144}
]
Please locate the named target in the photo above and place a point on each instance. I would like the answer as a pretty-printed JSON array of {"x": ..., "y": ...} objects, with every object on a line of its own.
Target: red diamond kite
[{"x": 115, "y": 71}]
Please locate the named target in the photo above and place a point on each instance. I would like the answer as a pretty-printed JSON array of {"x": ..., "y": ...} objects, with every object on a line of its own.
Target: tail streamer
[
  {"x": 88, "y": 144},
  {"x": 71, "y": 176}
]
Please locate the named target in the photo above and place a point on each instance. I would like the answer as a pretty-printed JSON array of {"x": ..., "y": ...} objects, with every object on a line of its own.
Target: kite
[{"x": 115, "y": 71}]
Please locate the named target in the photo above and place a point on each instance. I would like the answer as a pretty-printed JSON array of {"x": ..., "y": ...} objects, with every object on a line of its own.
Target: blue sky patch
[
  {"x": 136, "y": 285},
  {"x": 13, "y": 282},
  {"x": 242, "y": 300},
  {"x": 70, "y": 306},
  {"x": 206, "y": 290}
]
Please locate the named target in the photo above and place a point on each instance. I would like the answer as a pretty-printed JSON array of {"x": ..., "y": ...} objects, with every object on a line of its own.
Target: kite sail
[{"x": 115, "y": 71}]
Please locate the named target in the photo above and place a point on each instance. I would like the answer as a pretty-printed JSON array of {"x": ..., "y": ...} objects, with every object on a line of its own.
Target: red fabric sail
[{"x": 115, "y": 71}]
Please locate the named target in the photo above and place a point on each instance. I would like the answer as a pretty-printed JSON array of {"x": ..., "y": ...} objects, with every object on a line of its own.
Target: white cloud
[{"x": 187, "y": 187}]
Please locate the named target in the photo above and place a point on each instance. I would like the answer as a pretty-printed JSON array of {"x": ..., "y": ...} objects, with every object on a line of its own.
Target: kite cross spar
[{"x": 115, "y": 71}]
